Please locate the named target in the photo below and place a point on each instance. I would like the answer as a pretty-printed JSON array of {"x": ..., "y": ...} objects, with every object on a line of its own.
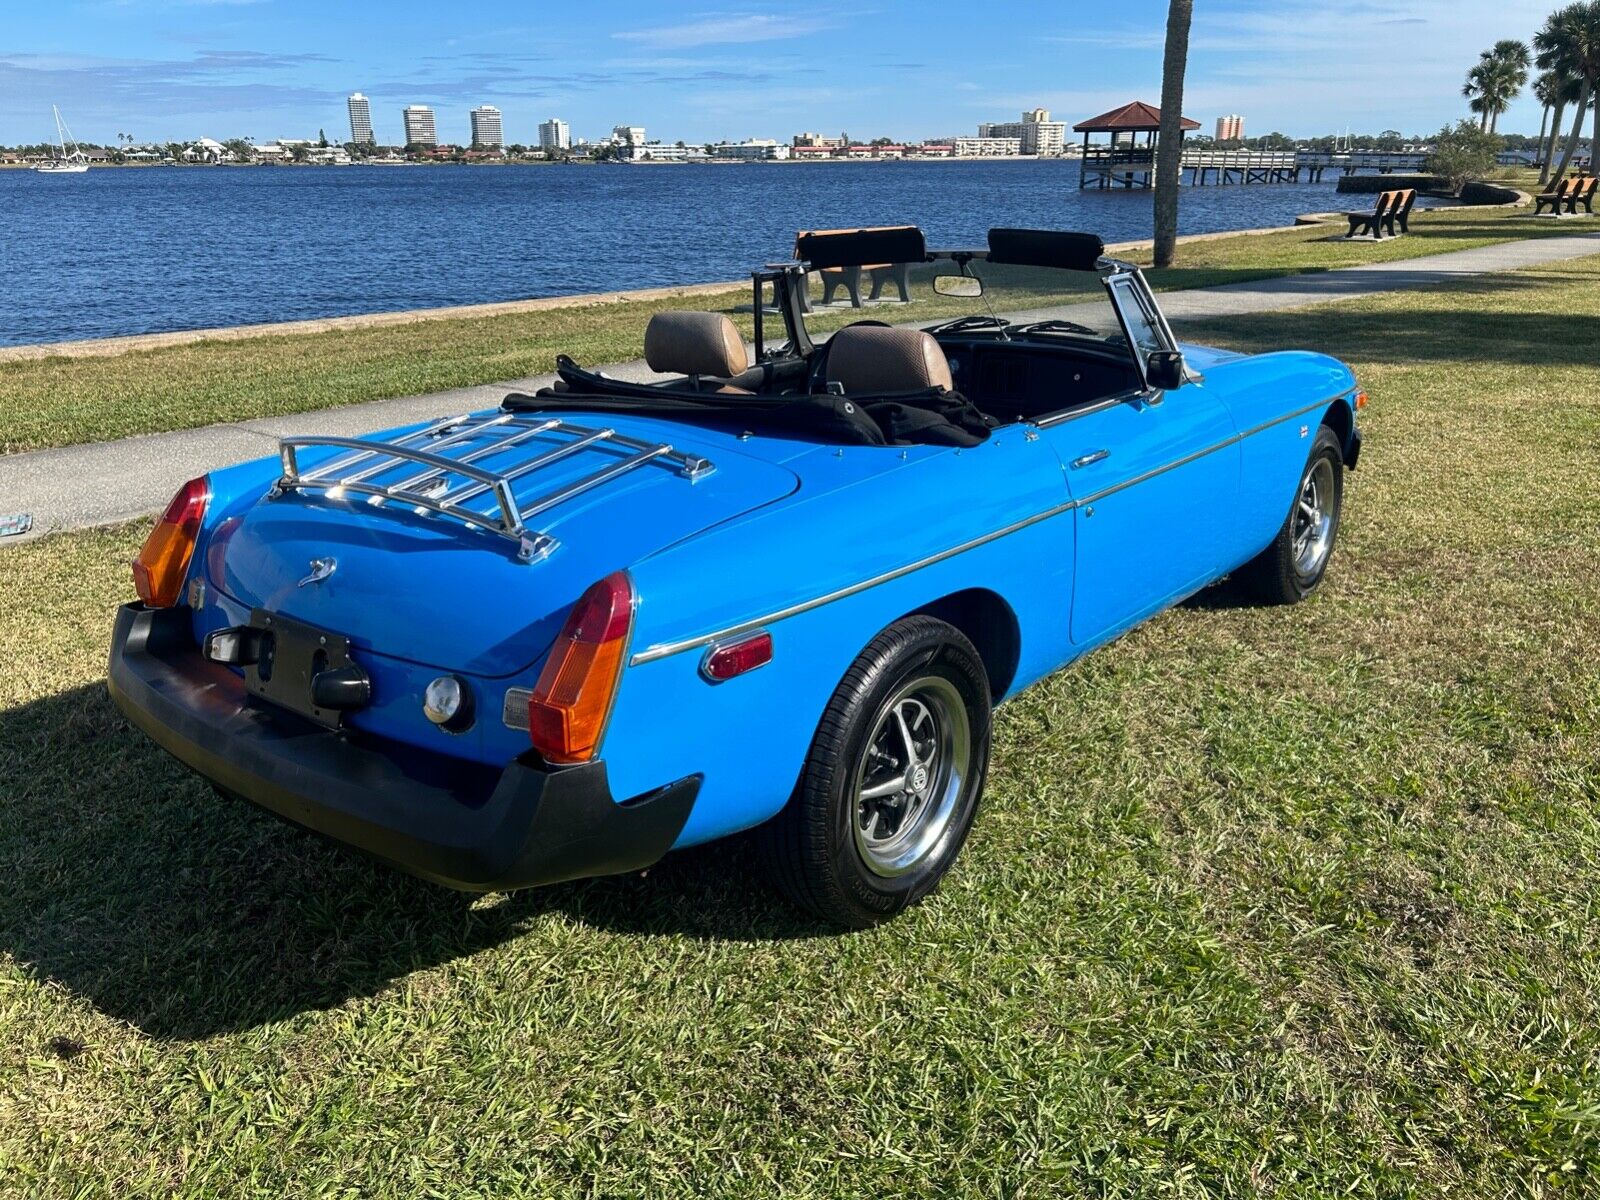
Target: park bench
[
  {"x": 1582, "y": 193},
  {"x": 1400, "y": 210},
  {"x": 1372, "y": 222},
  {"x": 1556, "y": 198},
  {"x": 849, "y": 277}
]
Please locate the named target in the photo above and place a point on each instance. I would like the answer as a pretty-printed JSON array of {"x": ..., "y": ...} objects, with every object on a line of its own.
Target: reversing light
[
  {"x": 728, "y": 659},
  {"x": 569, "y": 706},
  {"x": 159, "y": 571},
  {"x": 447, "y": 702}
]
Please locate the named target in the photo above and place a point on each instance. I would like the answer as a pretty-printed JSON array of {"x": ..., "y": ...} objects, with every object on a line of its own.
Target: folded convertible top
[{"x": 932, "y": 417}]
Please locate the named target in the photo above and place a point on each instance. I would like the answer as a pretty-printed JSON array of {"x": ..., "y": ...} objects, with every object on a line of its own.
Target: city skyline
[{"x": 175, "y": 69}]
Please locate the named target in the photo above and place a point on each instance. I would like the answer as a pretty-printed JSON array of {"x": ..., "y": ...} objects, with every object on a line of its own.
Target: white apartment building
[
  {"x": 360, "y": 120},
  {"x": 1042, "y": 136},
  {"x": 751, "y": 150},
  {"x": 488, "y": 133},
  {"x": 421, "y": 129},
  {"x": 555, "y": 134},
  {"x": 1036, "y": 133},
  {"x": 988, "y": 146},
  {"x": 627, "y": 135}
]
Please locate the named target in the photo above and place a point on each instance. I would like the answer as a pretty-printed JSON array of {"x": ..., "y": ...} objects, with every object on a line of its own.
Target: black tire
[
  {"x": 1283, "y": 573},
  {"x": 841, "y": 856}
]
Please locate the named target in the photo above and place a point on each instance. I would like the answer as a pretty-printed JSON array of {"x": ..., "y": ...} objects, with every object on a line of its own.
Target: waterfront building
[
  {"x": 488, "y": 133},
  {"x": 1230, "y": 128},
  {"x": 935, "y": 149},
  {"x": 627, "y": 135},
  {"x": 988, "y": 146},
  {"x": 750, "y": 150},
  {"x": 555, "y": 134},
  {"x": 360, "y": 120},
  {"x": 812, "y": 153},
  {"x": 421, "y": 130},
  {"x": 1042, "y": 136},
  {"x": 816, "y": 141},
  {"x": 1036, "y": 133}
]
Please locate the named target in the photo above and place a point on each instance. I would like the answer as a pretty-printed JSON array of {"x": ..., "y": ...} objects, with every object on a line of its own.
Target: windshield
[{"x": 1044, "y": 302}]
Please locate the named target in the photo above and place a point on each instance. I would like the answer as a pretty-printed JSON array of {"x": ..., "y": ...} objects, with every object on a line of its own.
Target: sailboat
[{"x": 74, "y": 162}]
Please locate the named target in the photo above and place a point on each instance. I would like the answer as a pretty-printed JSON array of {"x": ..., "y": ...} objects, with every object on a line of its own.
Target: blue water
[{"x": 144, "y": 250}]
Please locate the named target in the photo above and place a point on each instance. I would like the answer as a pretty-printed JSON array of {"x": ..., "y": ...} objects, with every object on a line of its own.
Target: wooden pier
[{"x": 1134, "y": 166}]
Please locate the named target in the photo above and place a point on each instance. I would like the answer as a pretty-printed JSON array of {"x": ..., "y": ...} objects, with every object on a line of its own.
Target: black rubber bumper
[{"x": 456, "y": 823}]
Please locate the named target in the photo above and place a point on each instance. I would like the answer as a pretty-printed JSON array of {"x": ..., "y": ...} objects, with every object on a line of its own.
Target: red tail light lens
[
  {"x": 159, "y": 571},
  {"x": 570, "y": 704}
]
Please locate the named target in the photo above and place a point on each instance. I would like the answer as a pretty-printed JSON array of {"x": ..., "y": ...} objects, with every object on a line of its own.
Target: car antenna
[{"x": 984, "y": 294}]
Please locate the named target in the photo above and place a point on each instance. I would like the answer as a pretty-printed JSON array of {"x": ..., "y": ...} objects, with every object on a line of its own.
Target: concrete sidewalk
[{"x": 104, "y": 482}]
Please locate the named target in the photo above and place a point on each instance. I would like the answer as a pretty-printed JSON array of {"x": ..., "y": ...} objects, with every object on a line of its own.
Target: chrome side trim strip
[
  {"x": 1161, "y": 470},
  {"x": 667, "y": 649},
  {"x": 1299, "y": 412}
]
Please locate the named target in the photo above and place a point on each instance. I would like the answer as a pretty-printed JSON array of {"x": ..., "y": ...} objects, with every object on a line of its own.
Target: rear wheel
[
  {"x": 1290, "y": 569},
  {"x": 892, "y": 781}
]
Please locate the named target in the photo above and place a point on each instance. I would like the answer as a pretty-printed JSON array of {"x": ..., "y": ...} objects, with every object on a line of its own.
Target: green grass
[
  {"x": 1295, "y": 902},
  {"x": 62, "y": 401}
]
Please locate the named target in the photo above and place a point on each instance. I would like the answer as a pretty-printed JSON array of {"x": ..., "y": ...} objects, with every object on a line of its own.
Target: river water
[{"x": 122, "y": 251}]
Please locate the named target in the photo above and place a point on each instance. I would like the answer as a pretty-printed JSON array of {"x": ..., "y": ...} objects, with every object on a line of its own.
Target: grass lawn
[
  {"x": 62, "y": 401},
  {"x": 1262, "y": 903}
]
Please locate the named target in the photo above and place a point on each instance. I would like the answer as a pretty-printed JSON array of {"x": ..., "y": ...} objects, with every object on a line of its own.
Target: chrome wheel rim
[
  {"x": 1313, "y": 518},
  {"x": 911, "y": 777}
]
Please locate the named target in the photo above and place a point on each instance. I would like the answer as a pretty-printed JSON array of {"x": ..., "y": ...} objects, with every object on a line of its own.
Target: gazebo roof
[{"x": 1135, "y": 115}]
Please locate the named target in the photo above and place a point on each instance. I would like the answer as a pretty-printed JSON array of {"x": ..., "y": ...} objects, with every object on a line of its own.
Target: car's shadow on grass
[{"x": 125, "y": 880}]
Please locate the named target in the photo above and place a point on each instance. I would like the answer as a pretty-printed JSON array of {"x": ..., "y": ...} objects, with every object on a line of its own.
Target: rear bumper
[{"x": 456, "y": 823}]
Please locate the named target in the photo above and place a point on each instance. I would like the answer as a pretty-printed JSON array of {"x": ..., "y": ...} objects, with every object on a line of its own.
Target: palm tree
[
  {"x": 1476, "y": 89},
  {"x": 1569, "y": 44},
  {"x": 1556, "y": 91},
  {"x": 1495, "y": 81},
  {"x": 1169, "y": 145}
]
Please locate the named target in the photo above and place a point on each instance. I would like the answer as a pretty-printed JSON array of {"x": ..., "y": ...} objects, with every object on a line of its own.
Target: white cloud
[{"x": 726, "y": 29}]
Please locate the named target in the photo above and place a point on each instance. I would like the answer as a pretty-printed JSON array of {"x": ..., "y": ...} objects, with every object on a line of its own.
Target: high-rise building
[
  {"x": 487, "y": 132},
  {"x": 1230, "y": 128},
  {"x": 555, "y": 134},
  {"x": 1040, "y": 135},
  {"x": 627, "y": 135},
  {"x": 361, "y": 120},
  {"x": 420, "y": 127}
]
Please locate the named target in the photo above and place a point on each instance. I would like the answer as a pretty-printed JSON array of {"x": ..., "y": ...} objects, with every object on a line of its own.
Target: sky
[{"x": 176, "y": 70}]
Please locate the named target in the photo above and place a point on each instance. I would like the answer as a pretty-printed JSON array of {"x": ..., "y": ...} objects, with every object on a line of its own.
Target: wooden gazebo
[{"x": 1126, "y": 160}]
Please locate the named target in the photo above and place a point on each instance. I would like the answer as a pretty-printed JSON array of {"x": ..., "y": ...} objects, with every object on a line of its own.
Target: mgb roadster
[{"x": 777, "y": 589}]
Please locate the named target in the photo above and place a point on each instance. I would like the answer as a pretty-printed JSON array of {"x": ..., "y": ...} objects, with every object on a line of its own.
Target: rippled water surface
[{"x": 119, "y": 251}]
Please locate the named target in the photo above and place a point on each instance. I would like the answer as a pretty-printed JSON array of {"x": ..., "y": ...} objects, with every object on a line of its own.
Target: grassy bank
[
  {"x": 61, "y": 401},
  {"x": 1290, "y": 902}
]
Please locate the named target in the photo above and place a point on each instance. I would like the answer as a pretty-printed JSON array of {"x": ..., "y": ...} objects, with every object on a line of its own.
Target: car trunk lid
[{"x": 472, "y": 567}]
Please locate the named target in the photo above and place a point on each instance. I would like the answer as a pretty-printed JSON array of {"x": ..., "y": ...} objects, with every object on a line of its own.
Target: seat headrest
[
  {"x": 694, "y": 343},
  {"x": 871, "y": 360}
]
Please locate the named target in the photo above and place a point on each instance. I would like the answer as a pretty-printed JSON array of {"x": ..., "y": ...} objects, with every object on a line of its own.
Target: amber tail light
[
  {"x": 570, "y": 704},
  {"x": 159, "y": 571}
]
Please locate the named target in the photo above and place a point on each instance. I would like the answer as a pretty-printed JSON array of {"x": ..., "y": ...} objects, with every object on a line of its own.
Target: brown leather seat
[
  {"x": 695, "y": 344},
  {"x": 875, "y": 360}
]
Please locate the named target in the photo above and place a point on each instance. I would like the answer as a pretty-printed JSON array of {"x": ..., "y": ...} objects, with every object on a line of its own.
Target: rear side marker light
[
  {"x": 725, "y": 660},
  {"x": 571, "y": 703},
  {"x": 1361, "y": 400},
  {"x": 159, "y": 571}
]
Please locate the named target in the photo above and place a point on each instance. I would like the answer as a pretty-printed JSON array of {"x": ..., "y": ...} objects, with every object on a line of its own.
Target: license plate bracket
[{"x": 291, "y": 653}]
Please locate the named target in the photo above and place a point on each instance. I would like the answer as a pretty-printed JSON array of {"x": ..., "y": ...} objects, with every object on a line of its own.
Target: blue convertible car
[{"x": 781, "y": 590}]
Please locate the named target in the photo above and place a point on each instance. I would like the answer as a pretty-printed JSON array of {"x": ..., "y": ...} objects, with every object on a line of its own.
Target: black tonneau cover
[{"x": 932, "y": 417}]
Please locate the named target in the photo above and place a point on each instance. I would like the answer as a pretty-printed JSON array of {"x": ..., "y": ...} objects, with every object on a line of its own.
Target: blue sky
[{"x": 179, "y": 69}]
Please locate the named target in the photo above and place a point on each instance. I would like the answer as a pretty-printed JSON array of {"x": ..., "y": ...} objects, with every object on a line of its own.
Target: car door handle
[{"x": 1094, "y": 456}]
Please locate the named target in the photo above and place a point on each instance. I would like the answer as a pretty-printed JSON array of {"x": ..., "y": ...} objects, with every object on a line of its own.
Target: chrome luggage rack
[{"x": 449, "y": 481}]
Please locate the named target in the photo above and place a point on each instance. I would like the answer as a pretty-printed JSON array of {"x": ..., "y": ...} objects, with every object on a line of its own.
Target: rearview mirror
[
  {"x": 1164, "y": 369},
  {"x": 964, "y": 287}
]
